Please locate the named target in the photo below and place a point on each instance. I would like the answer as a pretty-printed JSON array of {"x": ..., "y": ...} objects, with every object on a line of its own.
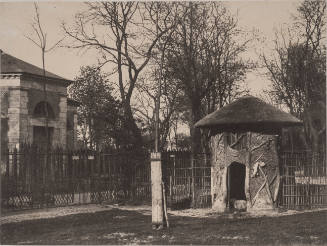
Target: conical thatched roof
[{"x": 248, "y": 114}]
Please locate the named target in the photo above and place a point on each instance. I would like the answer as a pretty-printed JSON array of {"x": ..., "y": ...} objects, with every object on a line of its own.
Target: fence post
[
  {"x": 14, "y": 159},
  {"x": 170, "y": 186},
  {"x": 6, "y": 193},
  {"x": 7, "y": 163},
  {"x": 156, "y": 185},
  {"x": 193, "y": 180},
  {"x": 70, "y": 170}
]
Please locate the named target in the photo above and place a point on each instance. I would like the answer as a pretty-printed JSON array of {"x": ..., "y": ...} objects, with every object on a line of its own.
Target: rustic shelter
[
  {"x": 23, "y": 104},
  {"x": 245, "y": 138}
]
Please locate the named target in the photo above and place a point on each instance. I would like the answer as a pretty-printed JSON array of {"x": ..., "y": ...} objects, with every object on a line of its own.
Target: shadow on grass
[{"x": 132, "y": 227}]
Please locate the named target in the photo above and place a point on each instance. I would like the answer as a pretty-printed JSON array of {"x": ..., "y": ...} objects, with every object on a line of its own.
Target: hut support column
[
  {"x": 247, "y": 172},
  {"x": 247, "y": 182}
]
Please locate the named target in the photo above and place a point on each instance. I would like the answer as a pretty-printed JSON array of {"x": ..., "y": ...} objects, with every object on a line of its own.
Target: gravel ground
[
  {"x": 18, "y": 216},
  {"x": 109, "y": 224}
]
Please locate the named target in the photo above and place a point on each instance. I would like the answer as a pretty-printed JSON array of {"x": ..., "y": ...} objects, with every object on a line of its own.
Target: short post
[{"x": 156, "y": 187}]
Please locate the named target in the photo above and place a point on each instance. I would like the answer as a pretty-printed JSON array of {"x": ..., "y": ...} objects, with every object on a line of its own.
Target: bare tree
[
  {"x": 40, "y": 40},
  {"x": 123, "y": 38},
  {"x": 158, "y": 90},
  {"x": 170, "y": 104},
  {"x": 298, "y": 70},
  {"x": 205, "y": 57}
]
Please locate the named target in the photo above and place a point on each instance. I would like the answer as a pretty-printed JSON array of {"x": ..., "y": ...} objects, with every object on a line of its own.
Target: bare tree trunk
[
  {"x": 45, "y": 103},
  {"x": 195, "y": 142},
  {"x": 133, "y": 129},
  {"x": 312, "y": 134}
]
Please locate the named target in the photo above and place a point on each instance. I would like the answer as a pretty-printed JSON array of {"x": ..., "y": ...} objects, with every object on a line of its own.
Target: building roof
[
  {"x": 13, "y": 65},
  {"x": 248, "y": 114}
]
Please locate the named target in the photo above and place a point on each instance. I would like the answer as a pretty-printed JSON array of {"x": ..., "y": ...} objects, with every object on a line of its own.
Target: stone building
[
  {"x": 24, "y": 105},
  {"x": 245, "y": 145}
]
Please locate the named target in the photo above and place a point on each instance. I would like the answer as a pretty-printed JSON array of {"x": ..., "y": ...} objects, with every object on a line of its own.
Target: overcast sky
[{"x": 15, "y": 19}]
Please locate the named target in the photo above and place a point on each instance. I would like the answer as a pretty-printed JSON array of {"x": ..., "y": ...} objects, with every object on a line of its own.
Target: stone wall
[
  {"x": 36, "y": 96},
  {"x": 71, "y": 127},
  {"x": 38, "y": 84},
  {"x": 18, "y": 104},
  {"x": 4, "y": 135},
  {"x": 4, "y": 94},
  {"x": 62, "y": 138},
  {"x": 17, "y": 110}
]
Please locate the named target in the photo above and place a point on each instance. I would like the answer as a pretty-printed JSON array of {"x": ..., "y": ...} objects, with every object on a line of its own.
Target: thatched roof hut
[
  {"x": 248, "y": 114},
  {"x": 244, "y": 146}
]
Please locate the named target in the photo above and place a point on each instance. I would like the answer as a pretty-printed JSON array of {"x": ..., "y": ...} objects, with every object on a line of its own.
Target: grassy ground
[{"x": 117, "y": 226}]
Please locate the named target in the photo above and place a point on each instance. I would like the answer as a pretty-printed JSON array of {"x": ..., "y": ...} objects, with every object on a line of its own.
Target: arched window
[{"x": 42, "y": 109}]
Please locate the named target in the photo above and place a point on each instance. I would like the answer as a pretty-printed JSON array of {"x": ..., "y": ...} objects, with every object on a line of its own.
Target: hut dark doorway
[{"x": 236, "y": 183}]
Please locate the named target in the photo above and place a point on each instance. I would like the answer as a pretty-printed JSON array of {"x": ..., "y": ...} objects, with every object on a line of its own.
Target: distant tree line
[
  {"x": 297, "y": 70},
  {"x": 189, "y": 54},
  {"x": 187, "y": 58}
]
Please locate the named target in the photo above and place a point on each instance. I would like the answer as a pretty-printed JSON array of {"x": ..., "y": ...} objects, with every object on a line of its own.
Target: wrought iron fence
[
  {"x": 32, "y": 178},
  {"x": 303, "y": 180}
]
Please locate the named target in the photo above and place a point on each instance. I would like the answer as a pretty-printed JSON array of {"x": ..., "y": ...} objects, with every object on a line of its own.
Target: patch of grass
[{"x": 131, "y": 227}]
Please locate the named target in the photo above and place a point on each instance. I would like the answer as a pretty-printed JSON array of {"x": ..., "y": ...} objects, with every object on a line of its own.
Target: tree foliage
[
  {"x": 192, "y": 52},
  {"x": 98, "y": 114},
  {"x": 171, "y": 105},
  {"x": 124, "y": 36},
  {"x": 204, "y": 56},
  {"x": 298, "y": 70}
]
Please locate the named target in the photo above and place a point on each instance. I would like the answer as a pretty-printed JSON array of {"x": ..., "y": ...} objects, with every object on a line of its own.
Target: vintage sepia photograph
[{"x": 163, "y": 122}]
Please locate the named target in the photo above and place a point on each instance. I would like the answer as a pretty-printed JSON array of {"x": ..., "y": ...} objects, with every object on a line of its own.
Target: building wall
[
  {"x": 17, "y": 112},
  {"x": 4, "y": 118},
  {"x": 33, "y": 83},
  {"x": 23, "y": 94},
  {"x": 71, "y": 127},
  {"x": 4, "y": 91},
  {"x": 4, "y": 134}
]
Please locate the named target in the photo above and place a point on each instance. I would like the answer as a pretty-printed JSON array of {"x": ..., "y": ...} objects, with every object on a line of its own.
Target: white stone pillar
[
  {"x": 156, "y": 188},
  {"x": 24, "y": 120},
  {"x": 63, "y": 122},
  {"x": 75, "y": 131},
  {"x": 14, "y": 117}
]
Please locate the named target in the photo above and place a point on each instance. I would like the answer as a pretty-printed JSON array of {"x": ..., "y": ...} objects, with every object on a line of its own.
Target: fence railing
[
  {"x": 303, "y": 180},
  {"x": 32, "y": 178},
  {"x": 187, "y": 184}
]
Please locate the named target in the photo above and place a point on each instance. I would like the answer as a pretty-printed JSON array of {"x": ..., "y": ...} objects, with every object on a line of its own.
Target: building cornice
[
  {"x": 10, "y": 76},
  {"x": 46, "y": 79}
]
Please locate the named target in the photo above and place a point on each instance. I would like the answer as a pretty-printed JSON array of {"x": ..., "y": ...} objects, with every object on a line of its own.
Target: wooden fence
[
  {"x": 303, "y": 180},
  {"x": 186, "y": 185}
]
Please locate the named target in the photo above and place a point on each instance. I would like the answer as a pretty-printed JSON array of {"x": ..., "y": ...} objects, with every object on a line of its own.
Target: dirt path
[
  {"x": 19, "y": 216},
  {"x": 47, "y": 213},
  {"x": 94, "y": 224}
]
